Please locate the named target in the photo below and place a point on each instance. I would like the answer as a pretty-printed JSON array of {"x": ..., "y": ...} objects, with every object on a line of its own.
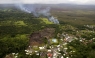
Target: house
[{"x": 50, "y": 55}]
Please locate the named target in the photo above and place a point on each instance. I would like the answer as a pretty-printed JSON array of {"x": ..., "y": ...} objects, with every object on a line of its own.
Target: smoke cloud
[{"x": 37, "y": 11}]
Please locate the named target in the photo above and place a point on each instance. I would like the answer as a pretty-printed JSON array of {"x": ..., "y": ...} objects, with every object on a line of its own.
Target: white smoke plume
[{"x": 37, "y": 11}]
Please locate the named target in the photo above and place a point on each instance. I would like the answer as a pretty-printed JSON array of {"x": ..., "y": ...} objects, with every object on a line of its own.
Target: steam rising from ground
[{"x": 38, "y": 11}]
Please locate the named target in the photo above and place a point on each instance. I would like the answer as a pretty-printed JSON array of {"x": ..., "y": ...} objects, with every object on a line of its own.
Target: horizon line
[{"x": 49, "y": 3}]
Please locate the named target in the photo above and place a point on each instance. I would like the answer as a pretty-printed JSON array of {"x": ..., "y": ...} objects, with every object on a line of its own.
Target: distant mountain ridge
[{"x": 53, "y": 5}]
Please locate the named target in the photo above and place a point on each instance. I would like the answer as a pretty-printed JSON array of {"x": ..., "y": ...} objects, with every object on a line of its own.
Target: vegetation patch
[{"x": 20, "y": 23}]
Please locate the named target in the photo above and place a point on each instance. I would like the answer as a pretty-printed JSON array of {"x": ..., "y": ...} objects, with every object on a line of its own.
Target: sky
[{"x": 48, "y": 1}]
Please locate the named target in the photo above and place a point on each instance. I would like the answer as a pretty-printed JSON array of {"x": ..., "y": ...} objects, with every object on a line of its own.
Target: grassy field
[
  {"x": 20, "y": 23},
  {"x": 46, "y": 21},
  {"x": 76, "y": 17},
  {"x": 16, "y": 23}
]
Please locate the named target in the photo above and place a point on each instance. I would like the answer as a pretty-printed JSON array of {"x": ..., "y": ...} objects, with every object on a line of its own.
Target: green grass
[
  {"x": 20, "y": 23},
  {"x": 21, "y": 36},
  {"x": 5, "y": 23},
  {"x": 46, "y": 21}
]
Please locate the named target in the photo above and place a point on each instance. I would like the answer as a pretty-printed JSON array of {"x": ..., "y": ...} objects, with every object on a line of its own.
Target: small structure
[
  {"x": 50, "y": 55},
  {"x": 54, "y": 41}
]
